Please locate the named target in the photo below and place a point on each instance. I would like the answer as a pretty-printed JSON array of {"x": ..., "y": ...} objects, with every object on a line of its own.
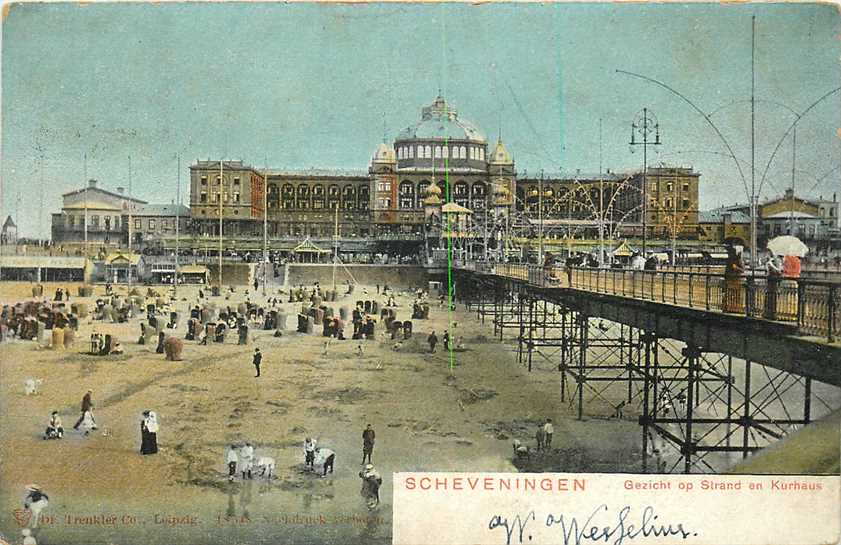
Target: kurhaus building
[{"x": 401, "y": 195}]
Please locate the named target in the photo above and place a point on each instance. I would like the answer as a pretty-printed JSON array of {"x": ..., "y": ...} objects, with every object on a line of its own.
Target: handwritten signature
[{"x": 591, "y": 529}]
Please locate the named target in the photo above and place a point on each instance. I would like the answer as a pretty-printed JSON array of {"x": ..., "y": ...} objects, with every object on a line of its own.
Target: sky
[{"x": 133, "y": 86}]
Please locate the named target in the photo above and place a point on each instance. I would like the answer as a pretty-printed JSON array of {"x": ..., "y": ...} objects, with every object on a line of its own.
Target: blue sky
[{"x": 301, "y": 85}]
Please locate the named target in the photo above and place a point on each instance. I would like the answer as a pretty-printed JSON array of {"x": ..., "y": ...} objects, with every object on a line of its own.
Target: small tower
[
  {"x": 501, "y": 174},
  {"x": 432, "y": 206},
  {"x": 383, "y": 188}
]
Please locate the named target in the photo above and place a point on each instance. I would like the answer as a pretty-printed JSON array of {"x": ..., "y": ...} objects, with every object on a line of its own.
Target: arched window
[
  {"x": 362, "y": 198},
  {"x": 303, "y": 199},
  {"x": 411, "y": 152},
  {"x": 318, "y": 197},
  {"x": 349, "y": 197},
  {"x": 427, "y": 152},
  {"x": 461, "y": 193},
  {"x": 481, "y": 154},
  {"x": 400, "y": 152},
  {"x": 472, "y": 152},
  {"x": 422, "y": 185},
  {"x": 446, "y": 152},
  {"x": 407, "y": 195},
  {"x": 478, "y": 195},
  {"x": 437, "y": 152},
  {"x": 287, "y": 197},
  {"x": 463, "y": 152}
]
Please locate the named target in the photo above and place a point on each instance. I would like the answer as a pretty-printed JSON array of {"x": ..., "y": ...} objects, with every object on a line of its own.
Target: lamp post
[{"x": 646, "y": 126}]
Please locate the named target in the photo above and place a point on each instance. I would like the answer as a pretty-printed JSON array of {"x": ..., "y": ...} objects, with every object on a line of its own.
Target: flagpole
[
  {"x": 129, "y": 225},
  {"x": 335, "y": 245},
  {"x": 265, "y": 227},
  {"x": 177, "y": 221},
  {"x": 221, "y": 172}
]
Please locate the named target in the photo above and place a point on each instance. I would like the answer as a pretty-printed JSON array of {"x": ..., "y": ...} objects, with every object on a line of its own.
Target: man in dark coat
[
  {"x": 368, "y": 437},
  {"x": 432, "y": 340},
  {"x": 258, "y": 359}
]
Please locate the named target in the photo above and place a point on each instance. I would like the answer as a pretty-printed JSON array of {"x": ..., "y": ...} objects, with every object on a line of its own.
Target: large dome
[{"x": 439, "y": 121}]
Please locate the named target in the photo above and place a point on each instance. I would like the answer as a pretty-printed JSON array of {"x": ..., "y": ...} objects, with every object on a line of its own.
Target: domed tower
[
  {"x": 383, "y": 189},
  {"x": 432, "y": 204},
  {"x": 441, "y": 139},
  {"x": 502, "y": 177}
]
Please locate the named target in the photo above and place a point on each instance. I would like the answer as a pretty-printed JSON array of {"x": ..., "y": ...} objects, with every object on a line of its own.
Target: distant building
[
  {"x": 721, "y": 226},
  {"x": 395, "y": 204},
  {"x": 9, "y": 232},
  {"x": 104, "y": 211},
  {"x": 151, "y": 222},
  {"x": 107, "y": 215}
]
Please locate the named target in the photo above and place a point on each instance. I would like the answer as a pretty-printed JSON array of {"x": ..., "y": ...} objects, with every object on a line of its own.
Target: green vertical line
[{"x": 449, "y": 258}]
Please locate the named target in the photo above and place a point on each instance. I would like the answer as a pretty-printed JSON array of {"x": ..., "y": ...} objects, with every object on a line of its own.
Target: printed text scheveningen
[{"x": 517, "y": 483}]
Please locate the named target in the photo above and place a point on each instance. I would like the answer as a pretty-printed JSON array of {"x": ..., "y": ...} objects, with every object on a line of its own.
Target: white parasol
[{"x": 787, "y": 245}]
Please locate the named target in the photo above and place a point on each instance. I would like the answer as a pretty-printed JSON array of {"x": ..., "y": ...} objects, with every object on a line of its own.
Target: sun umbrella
[{"x": 787, "y": 245}]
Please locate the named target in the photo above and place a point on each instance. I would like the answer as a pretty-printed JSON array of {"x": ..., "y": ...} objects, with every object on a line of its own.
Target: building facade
[
  {"x": 443, "y": 158},
  {"x": 103, "y": 212}
]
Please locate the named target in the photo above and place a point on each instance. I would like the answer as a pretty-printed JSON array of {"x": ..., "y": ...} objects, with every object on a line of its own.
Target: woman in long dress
[
  {"x": 149, "y": 433},
  {"x": 88, "y": 424}
]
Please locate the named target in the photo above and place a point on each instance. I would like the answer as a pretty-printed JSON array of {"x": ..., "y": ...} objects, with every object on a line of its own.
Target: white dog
[
  {"x": 266, "y": 466},
  {"x": 30, "y": 386}
]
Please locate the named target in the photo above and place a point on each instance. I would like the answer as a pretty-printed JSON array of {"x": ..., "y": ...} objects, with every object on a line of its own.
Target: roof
[
  {"x": 385, "y": 153},
  {"x": 454, "y": 208},
  {"x": 500, "y": 155},
  {"x": 193, "y": 269},
  {"x": 92, "y": 205},
  {"x": 8, "y": 223},
  {"x": 161, "y": 210},
  {"x": 623, "y": 250},
  {"x": 122, "y": 257},
  {"x": 440, "y": 121},
  {"x": 307, "y": 247},
  {"x": 106, "y": 192},
  {"x": 319, "y": 173},
  {"x": 787, "y": 215},
  {"x": 716, "y": 216},
  {"x": 566, "y": 176}
]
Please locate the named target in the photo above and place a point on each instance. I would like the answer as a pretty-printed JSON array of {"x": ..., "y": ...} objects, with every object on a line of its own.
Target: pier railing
[{"x": 814, "y": 305}]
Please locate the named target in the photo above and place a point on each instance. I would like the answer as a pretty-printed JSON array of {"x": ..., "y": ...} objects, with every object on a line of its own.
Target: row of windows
[
  {"x": 670, "y": 186},
  {"x": 227, "y": 197},
  {"x": 477, "y": 153},
  {"x": 108, "y": 222},
  {"x": 204, "y": 181},
  {"x": 669, "y": 203}
]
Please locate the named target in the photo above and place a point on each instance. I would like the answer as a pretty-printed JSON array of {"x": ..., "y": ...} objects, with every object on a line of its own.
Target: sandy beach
[{"x": 426, "y": 417}]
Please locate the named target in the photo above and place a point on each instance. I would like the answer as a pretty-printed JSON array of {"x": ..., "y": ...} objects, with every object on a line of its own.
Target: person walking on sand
[
  {"x": 432, "y": 340},
  {"x": 257, "y": 360},
  {"x": 368, "y": 437},
  {"x": 371, "y": 482},
  {"x": 149, "y": 433},
  {"x": 35, "y": 501},
  {"x": 548, "y": 430},
  {"x": 231, "y": 459},
  {"x": 309, "y": 452},
  {"x": 87, "y": 406},
  {"x": 446, "y": 340}
]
